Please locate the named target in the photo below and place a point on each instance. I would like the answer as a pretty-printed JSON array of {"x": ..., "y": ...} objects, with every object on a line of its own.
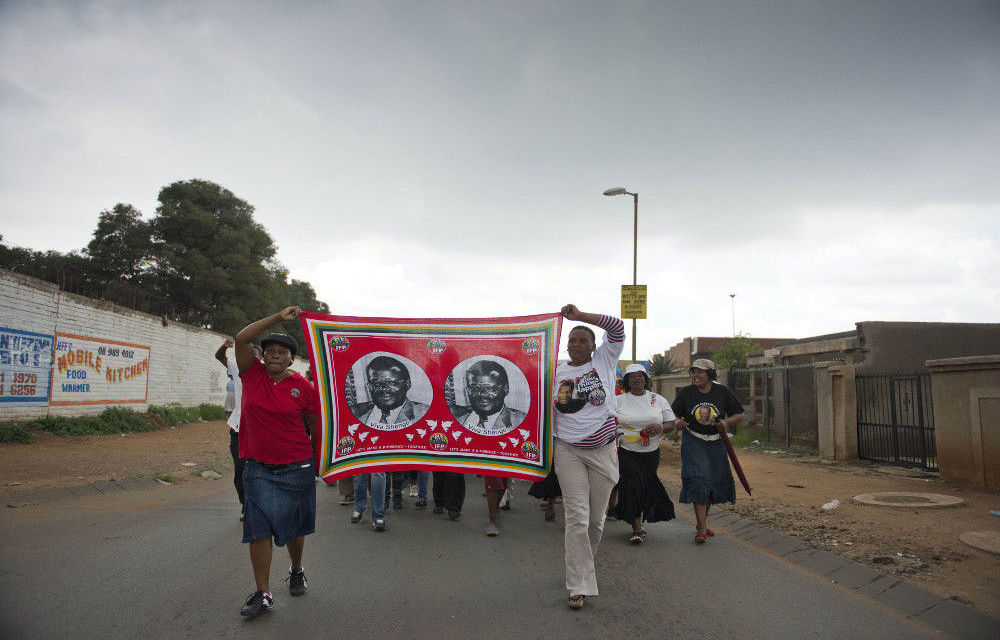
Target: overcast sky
[{"x": 828, "y": 162}]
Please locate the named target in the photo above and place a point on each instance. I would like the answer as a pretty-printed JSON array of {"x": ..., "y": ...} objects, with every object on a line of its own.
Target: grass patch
[
  {"x": 211, "y": 412},
  {"x": 12, "y": 432},
  {"x": 174, "y": 414},
  {"x": 746, "y": 437},
  {"x": 111, "y": 421},
  {"x": 159, "y": 475}
]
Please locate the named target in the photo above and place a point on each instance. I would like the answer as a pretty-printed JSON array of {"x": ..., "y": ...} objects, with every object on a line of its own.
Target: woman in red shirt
[{"x": 278, "y": 478}]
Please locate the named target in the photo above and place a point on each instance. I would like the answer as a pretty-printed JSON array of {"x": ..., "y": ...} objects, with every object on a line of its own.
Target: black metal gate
[
  {"x": 896, "y": 419},
  {"x": 781, "y": 401}
]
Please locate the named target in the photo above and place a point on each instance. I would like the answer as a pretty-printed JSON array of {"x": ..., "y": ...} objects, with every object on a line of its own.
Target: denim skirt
[
  {"x": 705, "y": 474},
  {"x": 280, "y": 501}
]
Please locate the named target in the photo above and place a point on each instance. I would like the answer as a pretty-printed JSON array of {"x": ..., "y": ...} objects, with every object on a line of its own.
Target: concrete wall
[
  {"x": 904, "y": 347},
  {"x": 840, "y": 346},
  {"x": 173, "y": 363},
  {"x": 836, "y": 410},
  {"x": 667, "y": 386},
  {"x": 966, "y": 395}
]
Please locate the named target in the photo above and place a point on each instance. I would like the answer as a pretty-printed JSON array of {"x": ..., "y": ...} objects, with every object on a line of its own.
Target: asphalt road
[{"x": 168, "y": 563}]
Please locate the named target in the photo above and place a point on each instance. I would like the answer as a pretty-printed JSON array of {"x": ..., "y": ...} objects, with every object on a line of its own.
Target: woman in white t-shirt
[
  {"x": 642, "y": 417},
  {"x": 584, "y": 427}
]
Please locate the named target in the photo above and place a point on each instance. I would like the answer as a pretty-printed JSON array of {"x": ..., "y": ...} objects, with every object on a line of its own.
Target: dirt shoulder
[
  {"x": 920, "y": 545},
  {"x": 52, "y": 461}
]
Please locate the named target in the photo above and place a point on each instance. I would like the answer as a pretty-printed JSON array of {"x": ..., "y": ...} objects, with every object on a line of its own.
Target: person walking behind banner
[
  {"x": 642, "y": 417},
  {"x": 586, "y": 459},
  {"x": 449, "y": 493},
  {"x": 705, "y": 408},
  {"x": 376, "y": 481},
  {"x": 495, "y": 487},
  {"x": 234, "y": 397},
  {"x": 547, "y": 490},
  {"x": 346, "y": 488},
  {"x": 508, "y": 495},
  {"x": 418, "y": 481},
  {"x": 278, "y": 479}
]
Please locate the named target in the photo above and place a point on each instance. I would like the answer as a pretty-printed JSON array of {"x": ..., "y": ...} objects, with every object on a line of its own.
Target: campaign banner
[
  {"x": 469, "y": 395},
  {"x": 90, "y": 370},
  {"x": 25, "y": 366}
]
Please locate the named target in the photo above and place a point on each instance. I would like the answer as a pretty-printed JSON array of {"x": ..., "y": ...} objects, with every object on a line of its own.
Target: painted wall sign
[
  {"x": 25, "y": 366},
  {"x": 89, "y": 370}
]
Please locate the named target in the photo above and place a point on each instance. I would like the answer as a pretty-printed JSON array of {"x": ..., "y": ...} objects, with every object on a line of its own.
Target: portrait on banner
[
  {"x": 490, "y": 395},
  {"x": 390, "y": 391}
]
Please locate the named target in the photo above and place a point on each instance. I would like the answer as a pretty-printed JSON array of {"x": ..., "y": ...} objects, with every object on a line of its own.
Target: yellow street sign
[{"x": 634, "y": 301}]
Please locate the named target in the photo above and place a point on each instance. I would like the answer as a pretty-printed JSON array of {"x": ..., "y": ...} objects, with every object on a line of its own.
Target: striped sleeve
[
  {"x": 615, "y": 328},
  {"x": 601, "y": 437}
]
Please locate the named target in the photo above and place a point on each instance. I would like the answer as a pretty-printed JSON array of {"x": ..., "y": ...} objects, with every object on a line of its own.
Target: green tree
[
  {"x": 71, "y": 271},
  {"x": 662, "y": 364},
  {"x": 214, "y": 264},
  {"x": 19, "y": 259},
  {"x": 122, "y": 246},
  {"x": 301, "y": 294},
  {"x": 735, "y": 351},
  {"x": 202, "y": 260}
]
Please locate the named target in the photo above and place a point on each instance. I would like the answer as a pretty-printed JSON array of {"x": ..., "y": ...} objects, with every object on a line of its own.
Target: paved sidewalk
[
  {"x": 953, "y": 618},
  {"x": 53, "y": 494}
]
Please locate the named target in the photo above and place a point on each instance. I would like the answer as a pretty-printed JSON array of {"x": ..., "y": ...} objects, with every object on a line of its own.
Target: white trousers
[{"x": 586, "y": 477}]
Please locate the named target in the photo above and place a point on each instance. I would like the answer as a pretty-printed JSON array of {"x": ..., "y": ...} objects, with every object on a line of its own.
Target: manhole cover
[
  {"x": 907, "y": 499},
  {"x": 983, "y": 540},
  {"x": 903, "y": 499}
]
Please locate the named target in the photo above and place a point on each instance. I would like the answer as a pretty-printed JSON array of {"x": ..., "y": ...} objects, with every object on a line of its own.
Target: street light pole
[
  {"x": 635, "y": 256},
  {"x": 732, "y": 299},
  {"x": 619, "y": 191}
]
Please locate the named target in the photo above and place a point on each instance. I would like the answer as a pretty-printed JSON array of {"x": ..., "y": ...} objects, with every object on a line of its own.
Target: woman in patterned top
[{"x": 586, "y": 459}]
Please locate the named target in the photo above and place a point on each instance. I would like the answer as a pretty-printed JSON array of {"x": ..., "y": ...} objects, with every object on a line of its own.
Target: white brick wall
[{"x": 182, "y": 364}]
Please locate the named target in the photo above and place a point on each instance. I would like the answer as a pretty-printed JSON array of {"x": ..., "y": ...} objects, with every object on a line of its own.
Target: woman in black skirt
[
  {"x": 705, "y": 408},
  {"x": 642, "y": 417},
  {"x": 547, "y": 489}
]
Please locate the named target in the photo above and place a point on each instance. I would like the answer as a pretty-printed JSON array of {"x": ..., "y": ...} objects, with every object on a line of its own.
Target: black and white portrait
[
  {"x": 490, "y": 395},
  {"x": 387, "y": 391}
]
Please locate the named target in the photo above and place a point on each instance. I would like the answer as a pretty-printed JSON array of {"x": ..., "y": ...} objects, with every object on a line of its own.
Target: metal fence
[
  {"x": 896, "y": 419},
  {"x": 780, "y": 401}
]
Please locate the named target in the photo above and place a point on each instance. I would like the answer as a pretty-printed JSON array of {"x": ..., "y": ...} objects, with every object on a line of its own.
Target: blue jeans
[
  {"x": 422, "y": 479},
  {"x": 378, "y": 494}
]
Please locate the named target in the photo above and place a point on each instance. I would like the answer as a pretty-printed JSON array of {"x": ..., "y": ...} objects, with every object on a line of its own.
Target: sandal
[
  {"x": 701, "y": 538},
  {"x": 709, "y": 533},
  {"x": 576, "y": 602},
  {"x": 635, "y": 538}
]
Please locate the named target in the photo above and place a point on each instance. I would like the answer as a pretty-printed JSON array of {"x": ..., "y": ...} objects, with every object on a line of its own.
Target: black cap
[{"x": 283, "y": 339}]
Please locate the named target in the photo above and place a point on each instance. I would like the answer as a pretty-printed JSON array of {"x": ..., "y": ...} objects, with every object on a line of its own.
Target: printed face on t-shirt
[
  {"x": 705, "y": 413},
  {"x": 576, "y": 393}
]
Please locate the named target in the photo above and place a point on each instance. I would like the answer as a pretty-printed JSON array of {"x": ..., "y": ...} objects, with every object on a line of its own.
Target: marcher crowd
[{"x": 606, "y": 448}]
